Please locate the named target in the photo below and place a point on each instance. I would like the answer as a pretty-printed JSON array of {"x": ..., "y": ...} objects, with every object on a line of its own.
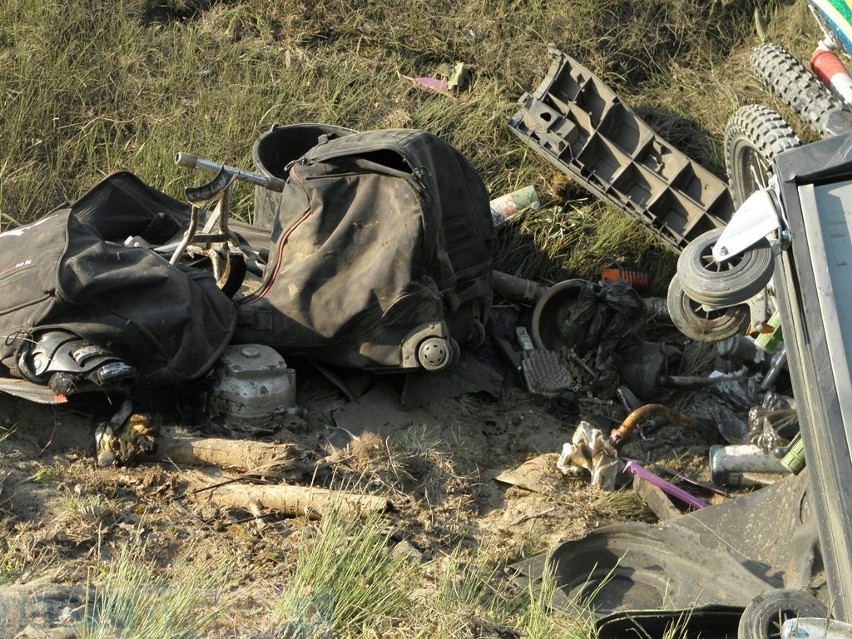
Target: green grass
[
  {"x": 346, "y": 582},
  {"x": 87, "y": 88},
  {"x": 134, "y": 598}
]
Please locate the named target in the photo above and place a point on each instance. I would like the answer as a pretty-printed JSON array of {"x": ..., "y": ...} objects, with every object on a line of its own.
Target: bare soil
[{"x": 63, "y": 516}]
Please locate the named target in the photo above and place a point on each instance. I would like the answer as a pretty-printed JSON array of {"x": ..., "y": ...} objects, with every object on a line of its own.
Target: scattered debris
[
  {"x": 459, "y": 77},
  {"x": 579, "y": 124},
  {"x": 588, "y": 339},
  {"x": 618, "y": 272},
  {"x": 655, "y": 498},
  {"x": 589, "y": 450},
  {"x": 543, "y": 371},
  {"x": 430, "y": 84},
  {"x": 126, "y": 436},
  {"x": 250, "y": 457},
  {"x": 745, "y": 465},
  {"x": 447, "y": 80},
  {"x": 506, "y": 207}
]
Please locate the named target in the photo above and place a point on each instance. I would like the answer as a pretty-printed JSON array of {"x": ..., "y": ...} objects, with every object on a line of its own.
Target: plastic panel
[{"x": 580, "y": 125}]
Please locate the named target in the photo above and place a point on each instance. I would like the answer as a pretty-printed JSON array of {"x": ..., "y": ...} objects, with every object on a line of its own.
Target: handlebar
[{"x": 194, "y": 162}]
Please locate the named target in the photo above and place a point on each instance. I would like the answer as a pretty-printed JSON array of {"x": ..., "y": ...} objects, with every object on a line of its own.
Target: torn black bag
[{"x": 169, "y": 323}]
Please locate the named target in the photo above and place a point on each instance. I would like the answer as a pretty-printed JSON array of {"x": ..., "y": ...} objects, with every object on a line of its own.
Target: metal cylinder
[
  {"x": 744, "y": 465},
  {"x": 254, "y": 388}
]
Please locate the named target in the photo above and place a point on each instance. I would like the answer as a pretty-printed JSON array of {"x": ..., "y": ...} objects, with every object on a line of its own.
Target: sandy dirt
[{"x": 438, "y": 465}]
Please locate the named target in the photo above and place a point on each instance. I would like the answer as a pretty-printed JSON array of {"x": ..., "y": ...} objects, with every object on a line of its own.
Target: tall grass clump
[
  {"x": 133, "y": 599},
  {"x": 540, "y": 619},
  {"x": 474, "y": 597},
  {"x": 468, "y": 594},
  {"x": 346, "y": 582}
]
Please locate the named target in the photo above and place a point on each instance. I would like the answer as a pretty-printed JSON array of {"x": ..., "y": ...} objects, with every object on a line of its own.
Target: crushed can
[{"x": 505, "y": 207}]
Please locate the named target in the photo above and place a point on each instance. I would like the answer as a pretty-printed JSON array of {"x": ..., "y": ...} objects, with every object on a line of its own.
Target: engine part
[
  {"x": 253, "y": 389},
  {"x": 741, "y": 350},
  {"x": 642, "y": 371}
]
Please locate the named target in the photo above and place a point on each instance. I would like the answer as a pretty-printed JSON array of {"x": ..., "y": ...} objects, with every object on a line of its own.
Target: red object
[
  {"x": 636, "y": 279},
  {"x": 831, "y": 72}
]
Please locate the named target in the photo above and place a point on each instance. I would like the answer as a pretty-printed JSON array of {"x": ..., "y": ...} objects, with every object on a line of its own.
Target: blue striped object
[{"x": 837, "y": 14}]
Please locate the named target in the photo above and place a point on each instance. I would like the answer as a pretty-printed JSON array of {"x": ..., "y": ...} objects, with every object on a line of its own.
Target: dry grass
[{"x": 90, "y": 88}]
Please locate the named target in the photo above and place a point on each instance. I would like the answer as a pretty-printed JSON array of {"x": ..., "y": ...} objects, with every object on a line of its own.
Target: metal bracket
[{"x": 755, "y": 219}]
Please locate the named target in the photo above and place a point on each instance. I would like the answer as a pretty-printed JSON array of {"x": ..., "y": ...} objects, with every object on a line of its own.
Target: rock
[{"x": 405, "y": 550}]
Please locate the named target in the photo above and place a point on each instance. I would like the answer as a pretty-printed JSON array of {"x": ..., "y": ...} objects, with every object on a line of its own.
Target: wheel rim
[
  {"x": 775, "y": 626},
  {"x": 709, "y": 263},
  {"x": 754, "y": 171},
  {"x": 698, "y": 311}
]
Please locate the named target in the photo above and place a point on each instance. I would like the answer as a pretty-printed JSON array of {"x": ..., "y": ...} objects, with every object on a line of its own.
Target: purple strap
[{"x": 667, "y": 487}]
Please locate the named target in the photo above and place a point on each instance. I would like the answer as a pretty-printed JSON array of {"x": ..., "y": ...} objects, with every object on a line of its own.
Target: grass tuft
[
  {"x": 134, "y": 599},
  {"x": 21, "y": 554},
  {"x": 346, "y": 581}
]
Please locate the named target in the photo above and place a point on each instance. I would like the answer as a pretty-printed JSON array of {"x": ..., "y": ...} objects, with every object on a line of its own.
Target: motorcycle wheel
[
  {"x": 753, "y": 137},
  {"x": 702, "y": 325},
  {"x": 723, "y": 283},
  {"x": 795, "y": 85}
]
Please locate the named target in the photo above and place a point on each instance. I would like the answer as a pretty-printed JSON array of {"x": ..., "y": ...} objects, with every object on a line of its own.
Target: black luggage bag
[{"x": 380, "y": 255}]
